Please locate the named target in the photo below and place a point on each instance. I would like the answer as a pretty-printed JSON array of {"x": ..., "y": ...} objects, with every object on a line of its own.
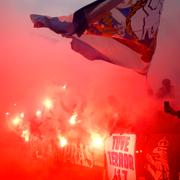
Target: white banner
[{"x": 120, "y": 156}]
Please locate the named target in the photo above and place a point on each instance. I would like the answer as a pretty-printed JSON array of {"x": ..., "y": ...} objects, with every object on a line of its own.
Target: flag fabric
[{"x": 127, "y": 34}]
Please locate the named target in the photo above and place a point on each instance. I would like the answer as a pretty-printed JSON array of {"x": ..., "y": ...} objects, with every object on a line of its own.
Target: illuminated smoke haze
[{"x": 32, "y": 60}]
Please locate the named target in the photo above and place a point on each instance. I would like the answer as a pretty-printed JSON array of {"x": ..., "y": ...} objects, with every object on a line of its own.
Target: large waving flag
[{"x": 125, "y": 35}]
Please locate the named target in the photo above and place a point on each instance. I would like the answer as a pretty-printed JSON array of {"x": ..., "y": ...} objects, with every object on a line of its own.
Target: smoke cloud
[{"x": 33, "y": 63}]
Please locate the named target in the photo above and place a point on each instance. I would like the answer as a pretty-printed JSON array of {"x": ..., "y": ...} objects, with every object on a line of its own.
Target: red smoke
[{"x": 32, "y": 61}]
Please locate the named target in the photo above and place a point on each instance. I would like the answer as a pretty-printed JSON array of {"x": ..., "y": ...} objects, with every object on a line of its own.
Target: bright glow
[
  {"x": 16, "y": 121},
  {"x": 48, "y": 103},
  {"x": 97, "y": 141},
  {"x": 22, "y": 115},
  {"x": 25, "y": 135},
  {"x": 72, "y": 119},
  {"x": 38, "y": 113},
  {"x": 7, "y": 113},
  {"x": 64, "y": 87},
  {"x": 62, "y": 141}
]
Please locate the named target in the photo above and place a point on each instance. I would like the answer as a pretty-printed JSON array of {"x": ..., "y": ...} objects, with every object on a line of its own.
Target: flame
[
  {"x": 48, "y": 103},
  {"x": 16, "y": 121},
  {"x": 64, "y": 87},
  {"x": 62, "y": 141},
  {"x": 38, "y": 113},
  {"x": 97, "y": 141},
  {"x": 21, "y": 115},
  {"x": 7, "y": 113},
  {"x": 73, "y": 119},
  {"x": 25, "y": 135}
]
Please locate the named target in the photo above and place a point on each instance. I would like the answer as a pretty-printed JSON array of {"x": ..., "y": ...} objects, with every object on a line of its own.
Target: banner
[
  {"x": 120, "y": 157},
  {"x": 162, "y": 156},
  {"x": 77, "y": 154}
]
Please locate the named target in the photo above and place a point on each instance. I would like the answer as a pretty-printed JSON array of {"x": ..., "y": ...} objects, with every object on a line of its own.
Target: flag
[
  {"x": 125, "y": 35},
  {"x": 120, "y": 156}
]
